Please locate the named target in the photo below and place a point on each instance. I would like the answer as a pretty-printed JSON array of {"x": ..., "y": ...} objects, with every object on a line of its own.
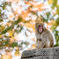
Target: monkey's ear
[{"x": 44, "y": 26}]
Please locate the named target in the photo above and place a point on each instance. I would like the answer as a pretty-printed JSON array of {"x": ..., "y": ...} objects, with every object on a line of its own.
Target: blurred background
[{"x": 17, "y": 24}]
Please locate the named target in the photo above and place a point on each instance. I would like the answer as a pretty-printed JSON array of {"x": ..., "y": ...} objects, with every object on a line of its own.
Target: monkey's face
[{"x": 39, "y": 27}]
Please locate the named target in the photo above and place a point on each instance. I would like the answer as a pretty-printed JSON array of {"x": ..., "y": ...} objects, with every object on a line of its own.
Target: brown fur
[{"x": 44, "y": 39}]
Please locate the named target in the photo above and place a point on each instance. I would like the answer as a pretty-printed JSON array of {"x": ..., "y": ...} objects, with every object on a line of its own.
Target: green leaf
[
  {"x": 58, "y": 10},
  {"x": 44, "y": 20},
  {"x": 35, "y": 13},
  {"x": 57, "y": 21},
  {"x": 48, "y": 14},
  {"x": 19, "y": 20},
  {"x": 1, "y": 20},
  {"x": 12, "y": 26},
  {"x": 3, "y": 6},
  {"x": 55, "y": 45},
  {"x": 0, "y": 11},
  {"x": 14, "y": 44},
  {"x": 54, "y": 2},
  {"x": 4, "y": 31}
]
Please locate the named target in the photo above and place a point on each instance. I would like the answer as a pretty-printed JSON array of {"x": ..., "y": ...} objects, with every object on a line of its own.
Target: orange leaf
[
  {"x": 25, "y": 14},
  {"x": 10, "y": 16},
  {"x": 50, "y": 1},
  {"x": 7, "y": 56},
  {"x": 17, "y": 53},
  {"x": 33, "y": 45},
  {"x": 0, "y": 36},
  {"x": 47, "y": 27},
  {"x": 52, "y": 21},
  {"x": 29, "y": 25},
  {"x": 33, "y": 39},
  {"x": 10, "y": 33},
  {"x": 18, "y": 0},
  {"x": 29, "y": 48},
  {"x": 49, "y": 24}
]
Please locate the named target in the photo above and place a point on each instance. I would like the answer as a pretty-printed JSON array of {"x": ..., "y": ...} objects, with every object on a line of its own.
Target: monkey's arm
[
  {"x": 47, "y": 39},
  {"x": 40, "y": 44},
  {"x": 51, "y": 40}
]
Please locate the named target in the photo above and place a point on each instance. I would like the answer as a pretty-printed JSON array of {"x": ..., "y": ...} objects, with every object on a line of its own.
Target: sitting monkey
[{"x": 44, "y": 37}]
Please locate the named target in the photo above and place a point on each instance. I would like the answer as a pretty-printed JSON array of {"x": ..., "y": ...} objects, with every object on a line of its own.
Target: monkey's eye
[{"x": 40, "y": 26}]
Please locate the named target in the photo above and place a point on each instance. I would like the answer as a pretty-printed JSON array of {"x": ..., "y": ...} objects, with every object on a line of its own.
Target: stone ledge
[{"x": 44, "y": 53}]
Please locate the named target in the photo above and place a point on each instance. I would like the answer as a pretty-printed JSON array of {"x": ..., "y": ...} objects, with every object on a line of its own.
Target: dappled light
[{"x": 17, "y": 24}]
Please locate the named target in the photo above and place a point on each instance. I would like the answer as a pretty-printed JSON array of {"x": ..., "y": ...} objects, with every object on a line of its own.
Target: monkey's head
[{"x": 39, "y": 26}]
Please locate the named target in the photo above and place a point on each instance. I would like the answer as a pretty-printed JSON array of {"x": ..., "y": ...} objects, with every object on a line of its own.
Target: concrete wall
[{"x": 44, "y": 53}]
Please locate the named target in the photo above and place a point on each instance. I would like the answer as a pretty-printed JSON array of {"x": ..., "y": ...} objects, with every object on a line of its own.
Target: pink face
[{"x": 40, "y": 28}]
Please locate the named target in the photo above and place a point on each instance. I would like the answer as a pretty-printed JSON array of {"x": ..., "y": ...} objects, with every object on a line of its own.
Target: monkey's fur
[{"x": 44, "y": 38}]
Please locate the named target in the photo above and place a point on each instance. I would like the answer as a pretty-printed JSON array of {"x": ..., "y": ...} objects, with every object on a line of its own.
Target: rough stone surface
[{"x": 44, "y": 53}]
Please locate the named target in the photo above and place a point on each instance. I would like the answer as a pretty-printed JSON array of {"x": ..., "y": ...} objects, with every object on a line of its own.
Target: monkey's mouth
[{"x": 40, "y": 28}]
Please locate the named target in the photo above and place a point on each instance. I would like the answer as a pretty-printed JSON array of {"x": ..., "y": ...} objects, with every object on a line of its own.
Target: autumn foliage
[{"x": 17, "y": 23}]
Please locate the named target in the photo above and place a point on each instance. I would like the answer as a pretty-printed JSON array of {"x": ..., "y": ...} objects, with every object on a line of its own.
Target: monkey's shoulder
[{"x": 46, "y": 31}]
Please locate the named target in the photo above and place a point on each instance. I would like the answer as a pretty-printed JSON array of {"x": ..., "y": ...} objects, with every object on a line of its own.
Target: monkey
[{"x": 44, "y": 38}]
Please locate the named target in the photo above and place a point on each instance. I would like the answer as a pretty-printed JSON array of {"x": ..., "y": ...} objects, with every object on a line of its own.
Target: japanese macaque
[{"x": 44, "y": 37}]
